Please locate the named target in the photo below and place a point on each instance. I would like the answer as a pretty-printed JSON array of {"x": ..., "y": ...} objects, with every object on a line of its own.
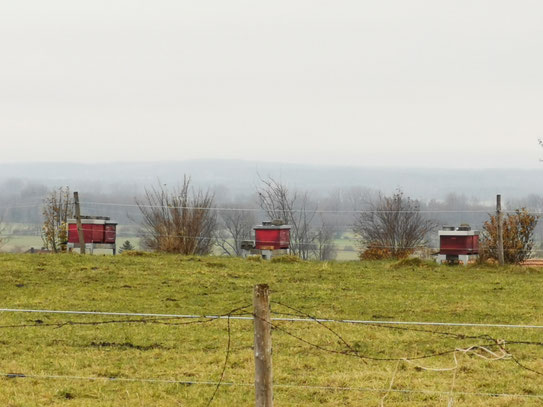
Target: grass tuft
[
  {"x": 287, "y": 258},
  {"x": 413, "y": 262},
  {"x": 137, "y": 253}
]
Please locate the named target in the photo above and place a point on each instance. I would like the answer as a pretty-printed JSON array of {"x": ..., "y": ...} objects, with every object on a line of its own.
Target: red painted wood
[
  {"x": 272, "y": 239},
  {"x": 459, "y": 244}
]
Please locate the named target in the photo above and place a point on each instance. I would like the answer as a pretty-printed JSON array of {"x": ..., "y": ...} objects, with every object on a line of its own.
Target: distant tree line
[{"x": 191, "y": 220}]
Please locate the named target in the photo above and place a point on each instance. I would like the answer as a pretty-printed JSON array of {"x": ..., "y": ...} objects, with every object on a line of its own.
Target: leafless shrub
[
  {"x": 56, "y": 210},
  {"x": 278, "y": 202},
  {"x": 179, "y": 221},
  {"x": 392, "y": 227},
  {"x": 324, "y": 242},
  {"x": 235, "y": 226},
  {"x": 297, "y": 209}
]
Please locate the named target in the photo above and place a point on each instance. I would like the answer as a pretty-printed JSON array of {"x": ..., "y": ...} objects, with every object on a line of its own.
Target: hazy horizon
[
  {"x": 241, "y": 176},
  {"x": 538, "y": 164},
  {"x": 411, "y": 84}
]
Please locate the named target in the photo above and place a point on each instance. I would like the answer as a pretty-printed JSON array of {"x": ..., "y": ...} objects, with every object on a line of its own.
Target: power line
[
  {"x": 318, "y": 211},
  {"x": 323, "y": 211}
]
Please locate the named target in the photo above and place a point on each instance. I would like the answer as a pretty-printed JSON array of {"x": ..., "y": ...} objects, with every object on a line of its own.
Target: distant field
[
  {"x": 347, "y": 247},
  {"x": 19, "y": 243},
  {"x": 309, "y": 369}
]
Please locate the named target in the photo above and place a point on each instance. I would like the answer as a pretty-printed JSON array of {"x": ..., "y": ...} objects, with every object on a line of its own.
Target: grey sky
[{"x": 418, "y": 83}]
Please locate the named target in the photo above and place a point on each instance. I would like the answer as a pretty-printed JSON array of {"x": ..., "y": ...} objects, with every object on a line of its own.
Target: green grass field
[
  {"x": 22, "y": 243},
  {"x": 308, "y": 372}
]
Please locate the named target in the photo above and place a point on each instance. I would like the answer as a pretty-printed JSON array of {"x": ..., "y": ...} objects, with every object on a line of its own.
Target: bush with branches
[
  {"x": 518, "y": 237},
  {"x": 235, "y": 226},
  {"x": 310, "y": 237},
  {"x": 178, "y": 221},
  {"x": 392, "y": 228},
  {"x": 56, "y": 210}
]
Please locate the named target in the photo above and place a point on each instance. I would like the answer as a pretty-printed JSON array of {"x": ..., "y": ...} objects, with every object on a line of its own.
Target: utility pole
[
  {"x": 499, "y": 216},
  {"x": 263, "y": 347},
  {"x": 78, "y": 220}
]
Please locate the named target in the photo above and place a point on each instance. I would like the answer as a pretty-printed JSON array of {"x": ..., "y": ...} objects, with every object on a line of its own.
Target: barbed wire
[
  {"x": 227, "y": 353},
  {"x": 40, "y": 323},
  {"x": 523, "y": 366},
  {"x": 482, "y": 351},
  {"x": 228, "y": 349},
  {"x": 160, "y": 319},
  {"x": 349, "y": 351},
  {"x": 246, "y": 317},
  {"x": 499, "y": 343},
  {"x": 321, "y": 322}
]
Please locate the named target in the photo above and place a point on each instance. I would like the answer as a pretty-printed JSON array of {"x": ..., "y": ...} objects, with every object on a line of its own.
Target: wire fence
[{"x": 484, "y": 346}]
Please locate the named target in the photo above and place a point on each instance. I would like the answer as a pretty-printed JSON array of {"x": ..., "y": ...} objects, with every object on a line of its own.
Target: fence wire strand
[{"x": 492, "y": 349}]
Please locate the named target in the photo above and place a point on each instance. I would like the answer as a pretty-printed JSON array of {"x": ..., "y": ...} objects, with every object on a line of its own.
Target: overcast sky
[{"x": 416, "y": 83}]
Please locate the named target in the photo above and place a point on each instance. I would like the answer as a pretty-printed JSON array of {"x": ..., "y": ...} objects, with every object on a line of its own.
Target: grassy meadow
[{"x": 309, "y": 367}]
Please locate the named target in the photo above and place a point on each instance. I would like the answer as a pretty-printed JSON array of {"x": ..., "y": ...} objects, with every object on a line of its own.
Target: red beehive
[
  {"x": 272, "y": 237},
  {"x": 95, "y": 230},
  {"x": 458, "y": 241}
]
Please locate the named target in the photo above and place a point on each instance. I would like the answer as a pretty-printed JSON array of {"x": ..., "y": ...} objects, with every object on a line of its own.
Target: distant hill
[{"x": 242, "y": 176}]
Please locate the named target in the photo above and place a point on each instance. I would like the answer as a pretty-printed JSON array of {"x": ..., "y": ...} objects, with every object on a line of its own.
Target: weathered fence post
[
  {"x": 263, "y": 347},
  {"x": 499, "y": 216},
  {"x": 78, "y": 220}
]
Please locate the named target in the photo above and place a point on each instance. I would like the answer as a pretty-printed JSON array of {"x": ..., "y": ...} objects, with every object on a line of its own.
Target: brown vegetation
[
  {"x": 518, "y": 237},
  {"x": 373, "y": 252},
  {"x": 56, "y": 210},
  {"x": 392, "y": 228},
  {"x": 179, "y": 221}
]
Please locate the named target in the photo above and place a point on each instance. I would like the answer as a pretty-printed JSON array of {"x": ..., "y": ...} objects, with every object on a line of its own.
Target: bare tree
[
  {"x": 324, "y": 242},
  {"x": 393, "y": 226},
  {"x": 235, "y": 226},
  {"x": 296, "y": 209},
  {"x": 56, "y": 210},
  {"x": 359, "y": 198},
  {"x": 179, "y": 221}
]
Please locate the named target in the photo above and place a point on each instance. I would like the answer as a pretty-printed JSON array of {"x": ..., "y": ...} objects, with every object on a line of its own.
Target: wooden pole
[
  {"x": 263, "y": 347},
  {"x": 499, "y": 216},
  {"x": 78, "y": 220}
]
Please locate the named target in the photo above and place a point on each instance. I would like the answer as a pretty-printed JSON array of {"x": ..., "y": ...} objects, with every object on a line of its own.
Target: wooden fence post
[
  {"x": 263, "y": 347},
  {"x": 499, "y": 215},
  {"x": 78, "y": 220}
]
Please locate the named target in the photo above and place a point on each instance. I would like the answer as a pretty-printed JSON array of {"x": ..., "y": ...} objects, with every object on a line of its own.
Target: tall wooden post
[
  {"x": 499, "y": 216},
  {"x": 78, "y": 220},
  {"x": 263, "y": 347}
]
